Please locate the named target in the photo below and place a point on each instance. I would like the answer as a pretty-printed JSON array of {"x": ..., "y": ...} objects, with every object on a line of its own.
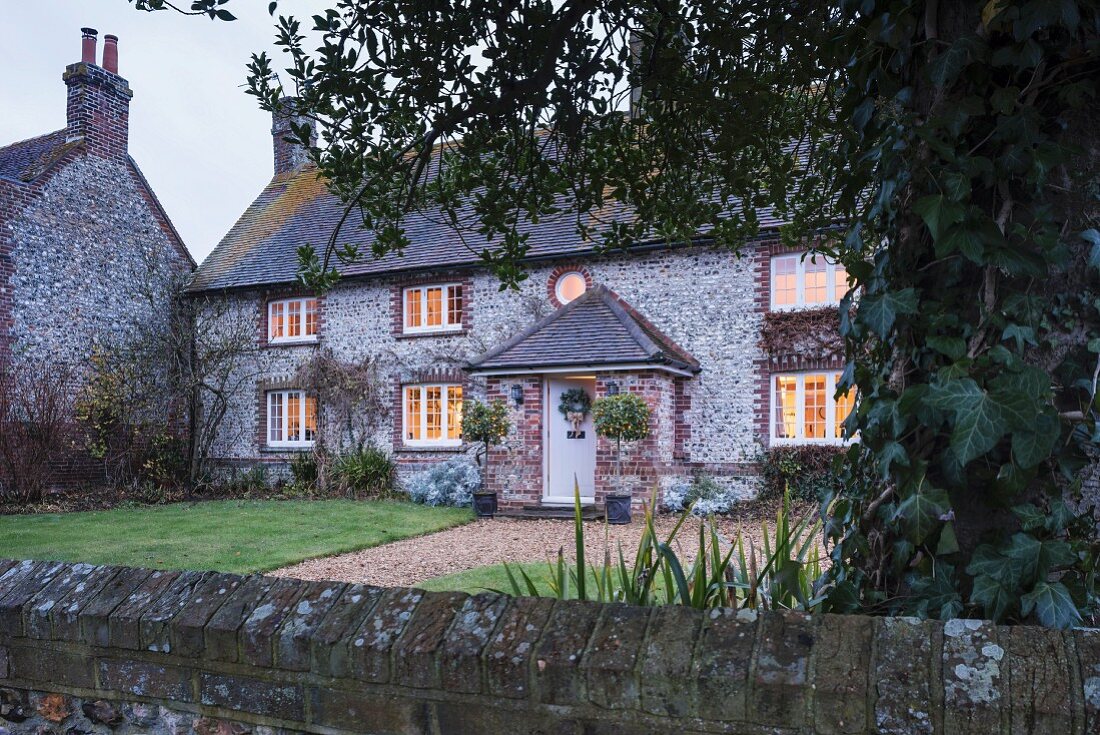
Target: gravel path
[{"x": 483, "y": 542}]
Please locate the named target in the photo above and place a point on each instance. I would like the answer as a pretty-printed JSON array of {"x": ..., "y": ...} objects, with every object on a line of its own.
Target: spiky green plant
[{"x": 780, "y": 575}]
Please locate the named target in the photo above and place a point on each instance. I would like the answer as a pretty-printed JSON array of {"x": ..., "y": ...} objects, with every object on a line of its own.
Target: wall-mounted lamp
[
  {"x": 612, "y": 388},
  {"x": 517, "y": 394}
]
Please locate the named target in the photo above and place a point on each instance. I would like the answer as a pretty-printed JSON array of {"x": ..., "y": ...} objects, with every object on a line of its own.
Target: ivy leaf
[
  {"x": 921, "y": 512},
  {"x": 879, "y": 312},
  {"x": 891, "y": 453},
  {"x": 938, "y": 213},
  {"x": 1021, "y": 334},
  {"x": 994, "y": 597},
  {"x": 953, "y": 347},
  {"x": 949, "y": 542},
  {"x": 988, "y": 562},
  {"x": 1036, "y": 558},
  {"x": 946, "y": 67},
  {"x": 1053, "y": 605},
  {"x": 979, "y": 420},
  {"x": 966, "y": 240},
  {"x": 1092, "y": 236},
  {"x": 1030, "y": 516}
]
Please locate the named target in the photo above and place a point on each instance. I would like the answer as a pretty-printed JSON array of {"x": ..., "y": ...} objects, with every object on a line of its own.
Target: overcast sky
[{"x": 200, "y": 140}]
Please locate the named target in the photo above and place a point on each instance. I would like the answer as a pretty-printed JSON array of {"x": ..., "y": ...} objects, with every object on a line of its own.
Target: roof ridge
[{"x": 31, "y": 139}]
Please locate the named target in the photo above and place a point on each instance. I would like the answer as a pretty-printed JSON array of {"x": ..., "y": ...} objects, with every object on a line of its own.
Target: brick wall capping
[{"x": 214, "y": 652}]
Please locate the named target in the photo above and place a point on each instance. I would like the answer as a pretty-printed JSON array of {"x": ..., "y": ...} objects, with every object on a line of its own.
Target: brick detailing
[
  {"x": 558, "y": 272},
  {"x": 280, "y": 656},
  {"x": 97, "y": 109},
  {"x": 515, "y": 467},
  {"x": 397, "y": 304}
]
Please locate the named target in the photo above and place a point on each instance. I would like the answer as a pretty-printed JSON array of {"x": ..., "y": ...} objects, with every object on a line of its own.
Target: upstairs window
[
  {"x": 805, "y": 410},
  {"x": 570, "y": 286},
  {"x": 433, "y": 415},
  {"x": 291, "y": 419},
  {"x": 433, "y": 308},
  {"x": 810, "y": 281},
  {"x": 292, "y": 320}
]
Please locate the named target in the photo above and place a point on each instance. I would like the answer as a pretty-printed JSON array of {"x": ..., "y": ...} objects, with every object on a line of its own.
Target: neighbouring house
[
  {"x": 733, "y": 355},
  {"x": 87, "y": 252}
]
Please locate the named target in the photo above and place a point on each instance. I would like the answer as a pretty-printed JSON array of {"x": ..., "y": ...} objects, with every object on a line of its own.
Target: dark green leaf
[
  {"x": 880, "y": 311},
  {"x": 1052, "y": 604},
  {"x": 920, "y": 514}
]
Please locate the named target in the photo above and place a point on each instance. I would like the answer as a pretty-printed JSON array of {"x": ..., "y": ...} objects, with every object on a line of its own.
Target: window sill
[
  {"x": 268, "y": 449},
  {"x": 292, "y": 342},
  {"x": 778, "y": 442},
  {"x": 806, "y": 307},
  {"x": 438, "y": 333},
  {"x": 428, "y": 449}
]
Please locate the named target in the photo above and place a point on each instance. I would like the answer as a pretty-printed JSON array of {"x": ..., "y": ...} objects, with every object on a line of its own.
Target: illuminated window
[
  {"x": 291, "y": 418},
  {"x": 433, "y": 415},
  {"x": 292, "y": 320},
  {"x": 433, "y": 308},
  {"x": 812, "y": 280},
  {"x": 805, "y": 409},
  {"x": 569, "y": 286}
]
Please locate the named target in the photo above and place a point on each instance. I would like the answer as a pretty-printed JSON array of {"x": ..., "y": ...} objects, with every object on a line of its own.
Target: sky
[{"x": 204, "y": 145}]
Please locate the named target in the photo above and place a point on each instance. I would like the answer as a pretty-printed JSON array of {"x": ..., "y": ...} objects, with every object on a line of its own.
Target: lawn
[
  {"x": 225, "y": 535},
  {"x": 493, "y": 577}
]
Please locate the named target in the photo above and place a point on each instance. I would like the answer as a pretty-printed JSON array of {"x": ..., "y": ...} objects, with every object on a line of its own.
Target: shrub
[
  {"x": 367, "y": 472},
  {"x": 303, "y": 472},
  {"x": 252, "y": 481},
  {"x": 624, "y": 418},
  {"x": 807, "y": 471},
  {"x": 34, "y": 414},
  {"x": 707, "y": 495},
  {"x": 486, "y": 423},
  {"x": 448, "y": 483}
]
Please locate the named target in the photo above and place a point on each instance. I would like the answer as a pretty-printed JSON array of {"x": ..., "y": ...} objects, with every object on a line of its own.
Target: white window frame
[
  {"x": 445, "y": 397},
  {"x": 831, "y": 378},
  {"x": 285, "y": 303},
  {"x": 800, "y": 260},
  {"x": 303, "y": 396},
  {"x": 424, "y": 328},
  {"x": 560, "y": 281}
]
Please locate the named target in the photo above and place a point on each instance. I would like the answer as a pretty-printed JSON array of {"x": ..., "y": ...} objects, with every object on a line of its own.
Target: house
[
  {"x": 86, "y": 249},
  {"x": 703, "y": 336}
]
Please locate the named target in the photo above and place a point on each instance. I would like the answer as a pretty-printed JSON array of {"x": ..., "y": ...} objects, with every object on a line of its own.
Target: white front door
[{"x": 570, "y": 453}]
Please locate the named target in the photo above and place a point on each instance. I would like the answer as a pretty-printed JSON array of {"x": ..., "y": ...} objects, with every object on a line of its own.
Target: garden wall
[{"x": 98, "y": 649}]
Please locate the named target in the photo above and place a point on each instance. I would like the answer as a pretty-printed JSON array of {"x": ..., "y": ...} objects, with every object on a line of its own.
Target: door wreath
[{"x": 574, "y": 405}]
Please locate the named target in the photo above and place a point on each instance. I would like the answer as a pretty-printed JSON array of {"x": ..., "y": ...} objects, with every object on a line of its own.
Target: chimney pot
[
  {"x": 110, "y": 53},
  {"x": 87, "y": 45}
]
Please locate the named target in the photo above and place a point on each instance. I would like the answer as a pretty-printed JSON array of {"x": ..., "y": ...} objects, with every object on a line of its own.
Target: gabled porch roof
[{"x": 597, "y": 330}]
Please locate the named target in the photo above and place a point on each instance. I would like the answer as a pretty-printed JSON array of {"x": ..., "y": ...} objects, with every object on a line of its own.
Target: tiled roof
[
  {"x": 596, "y": 329},
  {"x": 26, "y": 159},
  {"x": 262, "y": 247}
]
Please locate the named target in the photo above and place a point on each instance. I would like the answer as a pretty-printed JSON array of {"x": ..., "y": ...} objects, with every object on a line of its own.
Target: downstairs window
[
  {"x": 291, "y": 419},
  {"x": 804, "y": 410},
  {"x": 432, "y": 415}
]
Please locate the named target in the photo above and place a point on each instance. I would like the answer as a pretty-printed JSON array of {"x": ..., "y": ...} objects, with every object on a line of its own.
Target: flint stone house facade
[
  {"x": 681, "y": 326},
  {"x": 83, "y": 239}
]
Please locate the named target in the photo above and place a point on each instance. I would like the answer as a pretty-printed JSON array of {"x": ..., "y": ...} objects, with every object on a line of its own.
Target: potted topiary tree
[
  {"x": 622, "y": 417},
  {"x": 486, "y": 424}
]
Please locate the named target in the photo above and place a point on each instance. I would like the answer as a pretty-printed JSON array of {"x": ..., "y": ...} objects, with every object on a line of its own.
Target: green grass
[
  {"x": 225, "y": 535},
  {"x": 493, "y": 577}
]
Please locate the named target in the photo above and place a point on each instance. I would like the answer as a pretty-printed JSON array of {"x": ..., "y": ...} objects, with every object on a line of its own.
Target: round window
[{"x": 570, "y": 286}]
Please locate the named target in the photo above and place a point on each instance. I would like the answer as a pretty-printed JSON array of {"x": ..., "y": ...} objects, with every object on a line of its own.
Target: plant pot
[
  {"x": 485, "y": 505},
  {"x": 617, "y": 508}
]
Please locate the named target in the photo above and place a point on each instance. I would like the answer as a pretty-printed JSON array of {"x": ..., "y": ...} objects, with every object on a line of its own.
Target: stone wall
[
  {"x": 88, "y": 649},
  {"x": 703, "y": 299}
]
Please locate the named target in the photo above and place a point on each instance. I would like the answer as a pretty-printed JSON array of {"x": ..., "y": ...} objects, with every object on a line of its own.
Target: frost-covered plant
[
  {"x": 704, "y": 491},
  {"x": 448, "y": 483}
]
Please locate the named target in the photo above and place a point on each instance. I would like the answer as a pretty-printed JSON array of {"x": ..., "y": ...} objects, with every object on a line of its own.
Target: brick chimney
[
  {"x": 290, "y": 155},
  {"x": 97, "y": 108}
]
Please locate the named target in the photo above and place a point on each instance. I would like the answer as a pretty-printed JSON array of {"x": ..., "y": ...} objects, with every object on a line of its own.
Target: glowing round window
[{"x": 570, "y": 286}]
